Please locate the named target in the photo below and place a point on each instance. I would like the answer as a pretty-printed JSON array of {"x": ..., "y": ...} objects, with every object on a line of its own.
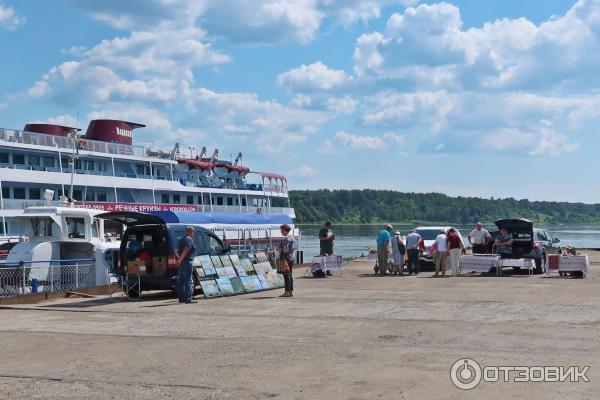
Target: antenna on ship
[{"x": 238, "y": 159}]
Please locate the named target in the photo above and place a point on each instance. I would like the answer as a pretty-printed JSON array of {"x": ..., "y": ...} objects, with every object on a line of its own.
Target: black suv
[
  {"x": 150, "y": 240},
  {"x": 524, "y": 236}
]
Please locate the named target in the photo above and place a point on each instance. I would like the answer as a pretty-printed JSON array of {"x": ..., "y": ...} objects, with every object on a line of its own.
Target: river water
[{"x": 355, "y": 240}]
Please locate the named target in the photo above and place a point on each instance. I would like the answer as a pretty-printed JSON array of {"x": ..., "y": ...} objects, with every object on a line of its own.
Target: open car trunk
[
  {"x": 144, "y": 247},
  {"x": 145, "y": 250},
  {"x": 521, "y": 231}
]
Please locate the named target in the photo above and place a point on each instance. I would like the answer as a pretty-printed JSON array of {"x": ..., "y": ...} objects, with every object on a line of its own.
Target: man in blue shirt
[
  {"x": 383, "y": 245},
  {"x": 186, "y": 251}
]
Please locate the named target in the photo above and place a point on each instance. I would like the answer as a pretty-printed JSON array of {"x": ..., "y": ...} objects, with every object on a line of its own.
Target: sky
[{"x": 473, "y": 98}]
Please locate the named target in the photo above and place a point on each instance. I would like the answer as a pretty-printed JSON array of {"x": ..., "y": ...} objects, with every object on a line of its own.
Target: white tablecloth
[
  {"x": 524, "y": 263},
  {"x": 327, "y": 263},
  {"x": 477, "y": 263},
  {"x": 574, "y": 263}
]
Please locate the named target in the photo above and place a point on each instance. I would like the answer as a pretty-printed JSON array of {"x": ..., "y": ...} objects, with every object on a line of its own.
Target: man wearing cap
[
  {"x": 479, "y": 239},
  {"x": 186, "y": 251},
  {"x": 383, "y": 246}
]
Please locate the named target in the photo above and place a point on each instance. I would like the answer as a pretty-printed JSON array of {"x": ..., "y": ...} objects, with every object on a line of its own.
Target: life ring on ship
[
  {"x": 259, "y": 210},
  {"x": 81, "y": 143}
]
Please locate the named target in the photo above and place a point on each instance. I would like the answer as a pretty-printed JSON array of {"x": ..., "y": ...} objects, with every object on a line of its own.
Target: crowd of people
[{"x": 446, "y": 249}]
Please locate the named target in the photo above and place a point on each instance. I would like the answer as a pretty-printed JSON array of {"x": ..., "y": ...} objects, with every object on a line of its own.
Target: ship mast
[{"x": 74, "y": 137}]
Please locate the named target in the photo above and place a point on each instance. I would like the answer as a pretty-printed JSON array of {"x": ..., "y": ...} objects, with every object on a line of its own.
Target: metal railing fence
[{"x": 46, "y": 276}]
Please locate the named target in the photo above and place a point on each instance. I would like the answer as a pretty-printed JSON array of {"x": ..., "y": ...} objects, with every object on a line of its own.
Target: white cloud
[
  {"x": 368, "y": 142},
  {"x": 503, "y": 54},
  {"x": 351, "y": 11},
  {"x": 273, "y": 126},
  {"x": 264, "y": 21},
  {"x": 316, "y": 76},
  {"x": 390, "y": 108},
  {"x": 342, "y": 105},
  {"x": 328, "y": 148},
  {"x": 140, "y": 14},
  {"x": 301, "y": 100},
  {"x": 65, "y": 120},
  {"x": 304, "y": 171},
  {"x": 9, "y": 18},
  {"x": 145, "y": 67},
  {"x": 256, "y": 22},
  {"x": 366, "y": 54},
  {"x": 161, "y": 52},
  {"x": 544, "y": 141}
]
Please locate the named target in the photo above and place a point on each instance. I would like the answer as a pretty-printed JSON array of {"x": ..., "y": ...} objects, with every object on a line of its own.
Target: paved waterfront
[{"x": 350, "y": 337}]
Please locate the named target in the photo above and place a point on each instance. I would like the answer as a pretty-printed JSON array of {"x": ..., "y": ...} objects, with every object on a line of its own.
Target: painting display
[
  {"x": 225, "y": 286},
  {"x": 216, "y": 261},
  {"x": 210, "y": 288},
  {"x": 230, "y": 271},
  {"x": 264, "y": 282},
  {"x": 251, "y": 283},
  {"x": 238, "y": 286},
  {"x": 226, "y": 261}
]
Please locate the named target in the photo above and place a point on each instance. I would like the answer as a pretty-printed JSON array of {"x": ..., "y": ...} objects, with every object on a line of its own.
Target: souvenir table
[
  {"x": 327, "y": 263},
  {"x": 523, "y": 263},
  {"x": 574, "y": 263},
  {"x": 481, "y": 263}
]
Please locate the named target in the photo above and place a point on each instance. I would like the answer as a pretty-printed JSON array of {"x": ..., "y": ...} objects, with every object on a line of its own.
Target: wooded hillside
[{"x": 375, "y": 206}]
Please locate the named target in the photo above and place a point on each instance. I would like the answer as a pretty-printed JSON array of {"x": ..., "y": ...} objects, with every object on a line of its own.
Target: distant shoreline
[{"x": 429, "y": 223}]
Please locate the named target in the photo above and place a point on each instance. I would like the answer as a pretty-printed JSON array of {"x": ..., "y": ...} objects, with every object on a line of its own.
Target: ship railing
[
  {"x": 47, "y": 276},
  {"x": 65, "y": 142},
  {"x": 275, "y": 189}
]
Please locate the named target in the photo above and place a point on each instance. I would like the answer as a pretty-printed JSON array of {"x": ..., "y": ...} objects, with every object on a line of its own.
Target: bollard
[
  {"x": 300, "y": 257},
  {"x": 34, "y": 285},
  {"x": 77, "y": 275}
]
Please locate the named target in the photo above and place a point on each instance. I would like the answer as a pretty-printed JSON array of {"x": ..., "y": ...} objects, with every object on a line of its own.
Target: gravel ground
[{"x": 354, "y": 336}]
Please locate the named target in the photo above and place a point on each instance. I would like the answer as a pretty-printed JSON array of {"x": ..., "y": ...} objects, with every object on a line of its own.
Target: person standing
[
  {"x": 186, "y": 251},
  {"x": 454, "y": 248},
  {"x": 442, "y": 254},
  {"x": 398, "y": 250},
  {"x": 413, "y": 239},
  {"x": 479, "y": 239},
  {"x": 326, "y": 238},
  {"x": 286, "y": 259},
  {"x": 383, "y": 248}
]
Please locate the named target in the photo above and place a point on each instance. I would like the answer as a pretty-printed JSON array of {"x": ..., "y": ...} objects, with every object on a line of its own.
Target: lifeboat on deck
[
  {"x": 194, "y": 172},
  {"x": 229, "y": 171}
]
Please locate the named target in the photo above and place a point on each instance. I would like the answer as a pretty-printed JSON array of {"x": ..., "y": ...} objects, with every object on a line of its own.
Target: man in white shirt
[
  {"x": 479, "y": 239},
  {"x": 442, "y": 253}
]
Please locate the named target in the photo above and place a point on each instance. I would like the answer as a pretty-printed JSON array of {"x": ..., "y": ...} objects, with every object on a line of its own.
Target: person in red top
[{"x": 454, "y": 247}]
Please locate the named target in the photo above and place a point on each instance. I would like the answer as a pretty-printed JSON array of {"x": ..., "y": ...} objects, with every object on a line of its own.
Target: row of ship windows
[
  {"x": 216, "y": 200},
  {"x": 20, "y": 193},
  {"x": 87, "y": 165}
]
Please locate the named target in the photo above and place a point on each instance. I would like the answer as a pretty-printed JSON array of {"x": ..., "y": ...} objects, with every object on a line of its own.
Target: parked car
[
  {"x": 151, "y": 242},
  {"x": 428, "y": 235},
  {"x": 524, "y": 236},
  {"x": 549, "y": 244}
]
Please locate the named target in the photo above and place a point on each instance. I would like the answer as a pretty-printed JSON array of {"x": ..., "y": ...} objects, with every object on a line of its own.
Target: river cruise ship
[{"x": 48, "y": 164}]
